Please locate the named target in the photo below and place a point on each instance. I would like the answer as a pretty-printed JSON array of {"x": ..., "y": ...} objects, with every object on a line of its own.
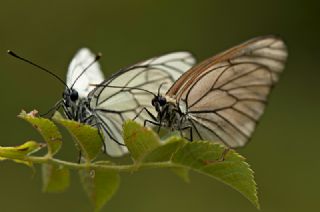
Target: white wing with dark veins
[
  {"x": 122, "y": 96},
  {"x": 93, "y": 75},
  {"x": 225, "y": 95}
]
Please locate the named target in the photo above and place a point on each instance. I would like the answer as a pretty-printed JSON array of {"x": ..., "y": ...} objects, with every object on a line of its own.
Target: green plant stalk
[{"x": 119, "y": 168}]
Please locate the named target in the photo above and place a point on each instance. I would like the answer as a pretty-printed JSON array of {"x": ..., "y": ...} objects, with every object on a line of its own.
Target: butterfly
[
  {"x": 107, "y": 103},
  {"x": 222, "y": 98},
  {"x": 91, "y": 99}
]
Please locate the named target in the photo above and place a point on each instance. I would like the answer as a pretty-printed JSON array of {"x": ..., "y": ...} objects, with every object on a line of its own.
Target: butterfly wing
[
  {"x": 225, "y": 95},
  {"x": 120, "y": 98},
  {"x": 93, "y": 75}
]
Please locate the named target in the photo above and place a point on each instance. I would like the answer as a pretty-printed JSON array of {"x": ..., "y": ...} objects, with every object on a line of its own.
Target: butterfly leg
[
  {"x": 188, "y": 127},
  {"x": 148, "y": 112},
  {"x": 221, "y": 157},
  {"x": 101, "y": 137},
  {"x": 151, "y": 122},
  {"x": 224, "y": 153},
  {"x": 54, "y": 108},
  {"x": 190, "y": 132},
  {"x": 66, "y": 112},
  {"x": 88, "y": 120},
  {"x": 79, "y": 157},
  {"x": 102, "y": 126}
]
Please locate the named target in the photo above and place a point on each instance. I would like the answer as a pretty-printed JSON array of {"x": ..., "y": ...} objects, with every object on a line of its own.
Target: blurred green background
[{"x": 284, "y": 151}]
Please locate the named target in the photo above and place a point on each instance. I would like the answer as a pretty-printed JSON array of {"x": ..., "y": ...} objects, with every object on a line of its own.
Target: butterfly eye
[
  {"x": 162, "y": 101},
  {"x": 74, "y": 95}
]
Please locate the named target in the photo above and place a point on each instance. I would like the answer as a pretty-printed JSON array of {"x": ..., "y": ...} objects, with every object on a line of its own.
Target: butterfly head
[
  {"x": 159, "y": 102},
  {"x": 70, "y": 97}
]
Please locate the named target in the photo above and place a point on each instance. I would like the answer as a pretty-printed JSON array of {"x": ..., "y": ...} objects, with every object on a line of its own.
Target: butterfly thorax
[
  {"x": 169, "y": 114},
  {"x": 75, "y": 108}
]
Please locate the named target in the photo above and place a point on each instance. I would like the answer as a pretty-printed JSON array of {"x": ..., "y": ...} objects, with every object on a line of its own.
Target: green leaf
[
  {"x": 55, "y": 178},
  {"x": 46, "y": 128},
  {"x": 101, "y": 180},
  {"x": 165, "y": 151},
  {"x": 19, "y": 153},
  {"x": 206, "y": 158},
  {"x": 201, "y": 156},
  {"x": 87, "y": 138},
  {"x": 139, "y": 140},
  {"x": 100, "y": 185}
]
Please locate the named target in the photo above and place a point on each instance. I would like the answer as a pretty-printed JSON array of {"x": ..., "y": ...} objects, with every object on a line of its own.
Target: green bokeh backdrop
[{"x": 284, "y": 151}]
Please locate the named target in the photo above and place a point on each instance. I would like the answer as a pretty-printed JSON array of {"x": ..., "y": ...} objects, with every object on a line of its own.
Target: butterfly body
[
  {"x": 169, "y": 114},
  {"x": 79, "y": 112}
]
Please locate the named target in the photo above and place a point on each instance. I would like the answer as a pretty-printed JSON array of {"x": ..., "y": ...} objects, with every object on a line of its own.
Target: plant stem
[{"x": 119, "y": 168}]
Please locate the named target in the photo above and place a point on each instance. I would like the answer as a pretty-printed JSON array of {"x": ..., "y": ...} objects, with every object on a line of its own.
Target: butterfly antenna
[
  {"x": 98, "y": 56},
  {"x": 160, "y": 87},
  {"x": 124, "y": 87},
  {"x": 38, "y": 66}
]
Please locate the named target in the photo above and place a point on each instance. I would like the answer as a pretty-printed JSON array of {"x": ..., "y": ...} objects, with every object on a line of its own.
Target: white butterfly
[
  {"x": 223, "y": 97},
  {"x": 120, "y": 97}
]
